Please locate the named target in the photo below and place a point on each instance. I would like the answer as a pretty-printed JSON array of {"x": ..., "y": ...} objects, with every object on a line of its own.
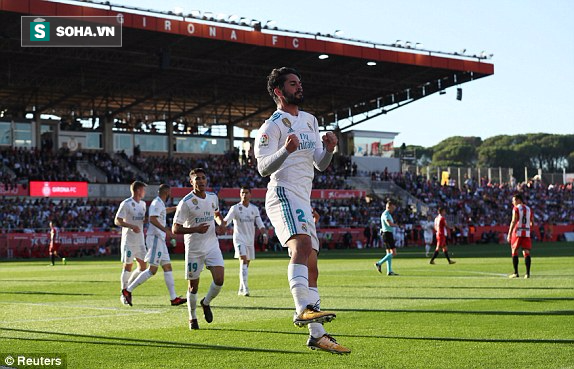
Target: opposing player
[
  {"x": 131, "y": 216},
  {"x": 194, "y": 218},
  {"x": 244, "y": 216},
  {"x": 387, "y": 226},
  {"x": 288, "y": 147},
  {"x": 441, "y": 229},
  {"x": 519, "y": 234},
  {"x": 157, "y": 253},
  {"x": 55, "y": 243}
]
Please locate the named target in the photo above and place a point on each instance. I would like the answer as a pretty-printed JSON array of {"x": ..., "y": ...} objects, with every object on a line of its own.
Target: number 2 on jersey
[{"x": 301, "y": 215}]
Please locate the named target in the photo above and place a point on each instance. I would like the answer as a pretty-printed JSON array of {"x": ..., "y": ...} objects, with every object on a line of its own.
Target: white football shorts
[
  {"x": 290, "y": 214},
  {"x": 195, "y": 262}
]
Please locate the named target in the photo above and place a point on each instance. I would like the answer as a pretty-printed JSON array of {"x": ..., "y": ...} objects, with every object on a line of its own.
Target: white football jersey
[
  {"x": 132, "y": 212},
  {"x": 244, "y": 219},
  {"x": 193, "y": 211},
  {"x": 297, "y": 171},
  {"x": 157, "y": 209}
]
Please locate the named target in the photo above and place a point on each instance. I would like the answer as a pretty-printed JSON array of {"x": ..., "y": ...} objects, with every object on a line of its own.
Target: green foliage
[
  {"x": 466, "y": 315},
  {"x": 549, "y": 152},
  {"x": 456, "y": 151}
]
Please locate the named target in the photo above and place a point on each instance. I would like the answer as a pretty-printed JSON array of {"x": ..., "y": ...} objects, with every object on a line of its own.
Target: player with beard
[{"x": 288, "y": 148}]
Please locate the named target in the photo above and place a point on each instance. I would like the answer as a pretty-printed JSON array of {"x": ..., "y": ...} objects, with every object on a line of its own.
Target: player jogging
[
  {"x": 55, "y": 243},
  {"x": 288, "y": 147},
  {"x": 387, "y": 225},
  {"x": 245, "y": 216},
  {"x": 194, "y": 218},
  {"x": 157, "y": 253},
  {"x": 519, "y": 234},
  {"x": 440, "y": 227},
  {"x": 130, "y": 216}
]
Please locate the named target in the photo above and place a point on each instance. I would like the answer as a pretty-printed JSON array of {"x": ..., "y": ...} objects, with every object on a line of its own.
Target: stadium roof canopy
[{"x": 206, "y": 71}]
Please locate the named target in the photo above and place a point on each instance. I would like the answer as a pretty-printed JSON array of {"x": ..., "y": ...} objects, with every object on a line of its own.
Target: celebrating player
[
  {"x": 130, "y": 216},
  {"x": 288, "y": 147},
  {"x": 244, "y": 216},
  {"x": 387, "y": 225},
  {"x": 441, "y": 227},
  {"x": 519, "y": 234},
  {"x": 157, "y": 253},
  {"x": 194, "y": 218}
]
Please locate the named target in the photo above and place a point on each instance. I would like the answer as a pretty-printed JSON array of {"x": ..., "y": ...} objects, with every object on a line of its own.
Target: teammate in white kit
[
  {"x": 245, "y": 216},
  {"x": 130, "y": 216},
  {"x": 288, "y": 147},
  {"x": 194, "y": 218},
  {"x": 157, "y": 252}
]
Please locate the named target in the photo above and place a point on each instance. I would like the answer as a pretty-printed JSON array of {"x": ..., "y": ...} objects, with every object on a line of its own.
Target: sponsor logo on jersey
[
  {"x": 264, "y": 140},
  {"x": 310, "y": 127},
  {"x": 287, "y": 124}
]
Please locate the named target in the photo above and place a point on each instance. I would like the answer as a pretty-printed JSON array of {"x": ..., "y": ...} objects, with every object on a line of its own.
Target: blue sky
[{"x": 532, "y": 89}]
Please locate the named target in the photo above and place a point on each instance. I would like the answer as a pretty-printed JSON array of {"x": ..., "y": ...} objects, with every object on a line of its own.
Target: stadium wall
[{"x": 80, "y": 244}]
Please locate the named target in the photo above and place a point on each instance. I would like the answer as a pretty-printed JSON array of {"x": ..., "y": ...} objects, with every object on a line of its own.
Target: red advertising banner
[
  {"x": 259, "y": 193},
  {"x": 35, "y": 245},
  {"x": 58, "y": 189},
  {"x": 17, "y": 190}
]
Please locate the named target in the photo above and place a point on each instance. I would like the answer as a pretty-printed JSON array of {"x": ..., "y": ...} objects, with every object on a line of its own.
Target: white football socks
[
  {"x": 144, "y": 276},
  {"x": 316, "y": 330},
  {"x": 212, "y": 293},
  {"x": 170, "y": 283},
  {"x": 191, "y": 304},
  {"x": 125, "y": 278},
  {"x": 243, "y": 277},
  {"x": 134, "y": 275},
  {"x": 298, "y": 275}
]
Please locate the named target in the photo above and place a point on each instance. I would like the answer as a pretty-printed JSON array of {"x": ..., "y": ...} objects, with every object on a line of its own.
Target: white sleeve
[
  {"x": 230, "y": 215},
  {"x": 181, "y": 213},
  {"x": 122, "y": 211},
  {"x": 267, "y": 151},
  {"x": 321, "y": 157},
  {"x": 154, "y": 210}
]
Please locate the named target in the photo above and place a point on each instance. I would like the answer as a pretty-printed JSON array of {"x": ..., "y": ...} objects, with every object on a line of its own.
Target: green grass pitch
[{"x": 466, "y": 315}]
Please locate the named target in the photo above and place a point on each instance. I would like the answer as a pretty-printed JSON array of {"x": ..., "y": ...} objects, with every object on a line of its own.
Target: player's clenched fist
[
  {"x": 291, "y": 143},
  {"x": 330, "y": 141},
  {"x": 202, "y": 228}
]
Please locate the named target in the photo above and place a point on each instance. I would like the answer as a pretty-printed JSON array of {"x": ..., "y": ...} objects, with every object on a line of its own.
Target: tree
[{"x": 456, "y": 151}]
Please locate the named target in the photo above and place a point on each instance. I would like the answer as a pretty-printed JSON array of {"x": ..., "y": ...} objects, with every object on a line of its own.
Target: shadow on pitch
[
  {"x": 513, "y": 288},
  {"x": 453, "y": 339},
  {"x": 525, "y": 299},
  {"x": 137, "y": 342},
  {"x": 53, "y": 281},
  {"x": 412, "y": 311},
  {"x": 46, "y": 293}
]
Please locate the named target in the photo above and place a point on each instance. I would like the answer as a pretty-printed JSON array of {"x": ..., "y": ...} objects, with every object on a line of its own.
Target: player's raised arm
[{"x": 322, "y": 156}]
